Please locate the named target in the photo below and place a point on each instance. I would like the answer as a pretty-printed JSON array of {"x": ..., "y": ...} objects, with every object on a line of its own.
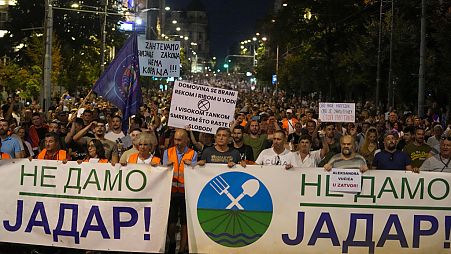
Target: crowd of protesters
[{"x": 270, "y": 128}]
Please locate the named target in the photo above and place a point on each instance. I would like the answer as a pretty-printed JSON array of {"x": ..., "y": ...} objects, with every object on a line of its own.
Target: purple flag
[{"x": 119, "y": 83}]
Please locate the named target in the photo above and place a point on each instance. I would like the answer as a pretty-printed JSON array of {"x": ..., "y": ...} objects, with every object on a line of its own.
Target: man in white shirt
[
  {"x": 273, "y": 155},
  {"x": 304, "y": 158},
  {"x": 115, "y": 131}
]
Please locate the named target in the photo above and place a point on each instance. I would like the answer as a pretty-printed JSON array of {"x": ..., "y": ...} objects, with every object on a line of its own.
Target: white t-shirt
[
  {"x": 114, "y": 136},
  {"x": 269, "y": 157},
  {"x": 310, "y": 161},
  {"x": 146, "y": 161}
]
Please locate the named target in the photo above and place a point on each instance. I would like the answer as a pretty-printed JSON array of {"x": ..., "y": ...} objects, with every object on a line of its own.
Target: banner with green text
[
  {"x": 92, "y": 206},
  {"x": 267, "y": 209}
]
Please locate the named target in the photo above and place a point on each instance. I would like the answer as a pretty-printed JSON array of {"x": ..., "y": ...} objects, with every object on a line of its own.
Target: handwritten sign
[
  {"x": 337, "y": 112},
  {"x": 203, "y": 108},
  {"x": 345, "y": 180},
  {"x": 159, "y": 58}
]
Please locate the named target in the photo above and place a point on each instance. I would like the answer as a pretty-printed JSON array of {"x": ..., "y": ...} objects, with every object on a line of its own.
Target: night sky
[{"x": 230, "y": 21}]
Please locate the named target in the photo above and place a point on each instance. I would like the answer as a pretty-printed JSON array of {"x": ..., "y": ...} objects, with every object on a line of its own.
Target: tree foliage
[
  {"x": 332, "y": 47},
  {"x": 76, "y": 53}
]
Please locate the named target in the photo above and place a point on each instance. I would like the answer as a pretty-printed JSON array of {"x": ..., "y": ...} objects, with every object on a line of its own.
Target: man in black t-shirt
[
  {"x": 221, "y": 152},
  {"x": 246, "y": 152}
]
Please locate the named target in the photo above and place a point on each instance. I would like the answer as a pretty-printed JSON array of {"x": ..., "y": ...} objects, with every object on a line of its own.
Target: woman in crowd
[
  {"x": 370, "y": 145},
  {"x": 96, "y": 152},
  {"x": 28, "y": 150},
  {"x": 146, "y": 150}
]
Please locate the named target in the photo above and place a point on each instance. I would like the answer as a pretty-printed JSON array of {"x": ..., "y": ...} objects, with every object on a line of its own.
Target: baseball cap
[{"x": 289, "y": 110}]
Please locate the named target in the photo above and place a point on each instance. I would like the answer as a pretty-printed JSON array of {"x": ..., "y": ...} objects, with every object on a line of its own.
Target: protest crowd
[{"x": 270, "y": 128}]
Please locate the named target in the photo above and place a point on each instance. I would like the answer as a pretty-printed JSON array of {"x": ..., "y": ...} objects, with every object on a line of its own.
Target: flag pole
[{"x": 79, "y": 107}]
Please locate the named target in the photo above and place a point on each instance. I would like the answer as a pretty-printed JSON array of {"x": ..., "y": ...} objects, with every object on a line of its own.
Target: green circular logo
[{"x": 234, "y": 209}]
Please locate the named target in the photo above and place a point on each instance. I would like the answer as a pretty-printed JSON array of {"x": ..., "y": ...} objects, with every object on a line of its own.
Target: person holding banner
[
  {"x": 146, "y": 149},
  {"x": 246, "y": 152},
  {"x": 96, "y": 152},
  {"x": 52, "y": 150},
  {"x": 4, "y": 156},
  {"x": 221, "y": 152},
  {"x": 390, "y": 158},
  {"x": 10, "y": 144},
  {"x": 273, "y": 155},
  {"x": 111, "y": 151},
  {"x": 178, "y": 156},
  {"x": 348, "y": 158},
  {"x": 440, "y": 162},
  {"x": 305, "y": 158}
]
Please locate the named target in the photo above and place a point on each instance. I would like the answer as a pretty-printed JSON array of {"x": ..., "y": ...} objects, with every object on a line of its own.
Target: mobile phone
[{"x": 255, "y": 118}]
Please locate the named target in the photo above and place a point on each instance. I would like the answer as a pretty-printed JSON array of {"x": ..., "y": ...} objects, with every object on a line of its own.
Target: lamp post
[
  {"x": 421, "y": 70},
  {"x": 47, "y": 82}
]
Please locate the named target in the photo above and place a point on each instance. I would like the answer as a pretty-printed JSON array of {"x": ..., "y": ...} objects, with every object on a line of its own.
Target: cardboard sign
[
  {"x": 203, "y": 108},
  {"x": 159, "y": 58},
  {"x": 337, "y": 112},
  {"x": 345, "y": 180}
]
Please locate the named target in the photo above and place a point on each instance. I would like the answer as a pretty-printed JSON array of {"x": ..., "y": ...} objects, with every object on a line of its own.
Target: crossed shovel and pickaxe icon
[{"x": 250, "y": 188}]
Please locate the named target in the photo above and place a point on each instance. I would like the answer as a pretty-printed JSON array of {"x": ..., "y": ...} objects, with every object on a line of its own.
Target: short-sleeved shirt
[
  {"x": 257, "y": 144},
  {"x": 418, "y": 154},
  {"x": 211, "y": 155},
  {"x": 114, "y": 136},
  {"x": 310, "y": 161},
  {"x": 270, "y": 157},
  {"x": 355, "y": 163},
  {"x": 246, "y": 152},
  {"x": 397, "y": 160},
  {"x": 11, "y": 146},
  {"x": 437, "y": 164}
]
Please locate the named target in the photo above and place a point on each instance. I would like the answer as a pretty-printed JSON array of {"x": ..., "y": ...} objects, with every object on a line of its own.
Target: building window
[{"x": 3, "y": 19}]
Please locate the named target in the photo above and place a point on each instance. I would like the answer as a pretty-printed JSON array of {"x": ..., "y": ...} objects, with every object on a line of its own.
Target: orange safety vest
[
  {"x": 285, "y": 123},
  {"x": 5, "y": 156},
  {"x": 178, "y": 179},
  {"x": 60, "y": 156},
  {"x": 134, "y": 159}
]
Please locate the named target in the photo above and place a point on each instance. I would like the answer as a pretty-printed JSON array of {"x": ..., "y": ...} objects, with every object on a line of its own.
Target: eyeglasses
[{"x": 144, "y": 144}]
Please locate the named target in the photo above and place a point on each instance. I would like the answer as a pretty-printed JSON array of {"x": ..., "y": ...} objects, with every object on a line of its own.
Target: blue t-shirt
[
  {"x": 11, "y": 146},
  {"x": 397, "y": 160}
]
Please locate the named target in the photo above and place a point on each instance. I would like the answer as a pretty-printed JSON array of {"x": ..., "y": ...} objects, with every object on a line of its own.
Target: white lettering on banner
[
  {"x": 159, "y": 58},
  {"x": 345, "y": 180},
  {"x": 337, "y": 112},
  {"x": 248, "y": 210},
  {"x": 86, "y": 206},
  {"x": 203, "y": 108}
]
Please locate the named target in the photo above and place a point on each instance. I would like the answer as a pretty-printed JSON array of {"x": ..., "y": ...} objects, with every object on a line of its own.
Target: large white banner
[
  {"x": 203, "y": 108},
  {"x": 158, "y": 58},
  {"x": 337, "y": 112},
  {"x": 267, "y": 209},
  {"x": 90, "y": 206}
]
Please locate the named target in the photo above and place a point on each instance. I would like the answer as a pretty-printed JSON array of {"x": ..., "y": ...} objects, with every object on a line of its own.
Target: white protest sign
[
  {"x": 159, "y": 58},
  {"x": 203, "y": 108},
  {"x": 337, "y": 112},
  {"x": 91, "y": 206},
  {"x": 345, "y": 180}
]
